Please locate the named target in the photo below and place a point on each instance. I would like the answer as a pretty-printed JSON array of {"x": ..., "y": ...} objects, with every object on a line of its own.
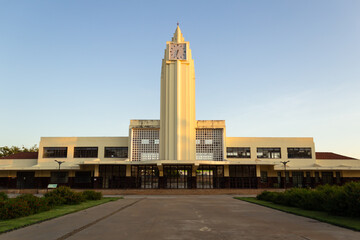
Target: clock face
[{"x": 177, "y": 51}]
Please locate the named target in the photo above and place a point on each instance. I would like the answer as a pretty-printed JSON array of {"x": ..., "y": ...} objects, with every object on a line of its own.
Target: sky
[{"x": 269, "y": 68}]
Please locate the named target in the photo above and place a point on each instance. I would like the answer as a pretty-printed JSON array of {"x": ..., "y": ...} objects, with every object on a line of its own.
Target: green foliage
[
  {"x": 3, "y": 196},
  {"x": 27, "y": 204},
  {"x": 36, "y": 204},
  {"x": 7, "y": 151},
  {"x": 91, "y": 195},
  {"x": 63, "y": 195},
  {"x": 14, "y": 208},
  {"x": 343, "y": 201}
]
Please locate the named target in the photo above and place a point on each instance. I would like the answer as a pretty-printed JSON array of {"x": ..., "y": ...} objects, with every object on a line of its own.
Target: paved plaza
[{"x": 180, "y": 217}]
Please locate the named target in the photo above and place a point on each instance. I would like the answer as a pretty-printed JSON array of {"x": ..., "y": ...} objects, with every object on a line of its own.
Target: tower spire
[{"x": 178, "y": 37}]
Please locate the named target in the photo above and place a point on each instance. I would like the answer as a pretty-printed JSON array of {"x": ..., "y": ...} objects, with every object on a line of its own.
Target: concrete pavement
[{"x": 181, "y": 217}]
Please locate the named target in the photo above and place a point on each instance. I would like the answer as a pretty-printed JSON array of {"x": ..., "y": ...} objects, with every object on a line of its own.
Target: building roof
[
  {"x": 22, "y": 155},
  {"x": 330, "y": 155}
]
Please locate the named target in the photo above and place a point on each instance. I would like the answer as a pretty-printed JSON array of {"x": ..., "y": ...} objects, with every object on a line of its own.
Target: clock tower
[{"x": 177, "y": 101}]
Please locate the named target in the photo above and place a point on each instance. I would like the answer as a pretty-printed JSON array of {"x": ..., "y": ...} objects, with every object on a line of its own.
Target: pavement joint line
[{"x": 96, "y": 221}]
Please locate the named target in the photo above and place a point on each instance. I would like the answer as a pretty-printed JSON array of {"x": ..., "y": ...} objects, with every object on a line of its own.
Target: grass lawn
[
  {"x": 346, "y": 222},
  {"x": 12, "y": 224}
]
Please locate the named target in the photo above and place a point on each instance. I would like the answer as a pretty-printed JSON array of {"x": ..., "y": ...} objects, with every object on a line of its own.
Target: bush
[
  {"x": 63, "y": 195},
  {"x": 3, "y": 196},
  {"x": 343, "y": 201},
  {"x": 14, "y": 208},
  {"x": 91, "y": 195},
  {"x": 36, "y": 204}
]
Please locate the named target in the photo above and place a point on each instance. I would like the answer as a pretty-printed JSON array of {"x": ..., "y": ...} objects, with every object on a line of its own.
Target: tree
[{"x": 7, "y": 151}]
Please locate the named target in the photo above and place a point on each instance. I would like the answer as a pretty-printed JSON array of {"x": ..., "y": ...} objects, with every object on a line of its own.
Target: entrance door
[
  {"x": 209, "y": 176},
  {"x": 177, "y": 176},
  {"x": 25, "y": 180}
]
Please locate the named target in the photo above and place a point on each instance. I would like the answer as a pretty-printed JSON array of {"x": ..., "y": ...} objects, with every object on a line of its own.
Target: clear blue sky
[{"x": 269, "y": 68}]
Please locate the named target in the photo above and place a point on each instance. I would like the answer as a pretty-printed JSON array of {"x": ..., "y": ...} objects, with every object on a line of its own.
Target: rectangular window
[
  {"x": 116, "y": 152},
  {"x": 145, "y": 141},
  {"x": 145, "y": 144},
  {"x": 82, "y": 177},
  {"x": 287, "y": 177},
  {"x": 299, "y": 152},
  {"x": 59, "y": 177},
  {"x": 238, "y": 152},
  {"x": 85, "y": 152},
  {"x": 317, "y": 177},
  {"x": 327, "y": 177},
  {"x": 308, "y": 178},
  {"x": 268, "y": 152},
  {"x": 263, "y": 176},
  {"x": 338, "y": 178},
  {"x": 209, "y": 144},
  {"x": 55, "y": 152}
]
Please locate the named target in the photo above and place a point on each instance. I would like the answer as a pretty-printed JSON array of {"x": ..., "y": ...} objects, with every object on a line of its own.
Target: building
[{"x": 176, "y": 151}]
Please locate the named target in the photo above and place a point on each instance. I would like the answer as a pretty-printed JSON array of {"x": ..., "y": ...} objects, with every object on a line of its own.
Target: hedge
[
  {"x": 27, "y": 204},
  {"x": 336, "y": 200}
]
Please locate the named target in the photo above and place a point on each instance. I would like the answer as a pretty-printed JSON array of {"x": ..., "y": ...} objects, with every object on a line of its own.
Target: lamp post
[
  {"x": 285, "y": 162},
  {"x": 59, "y": 162}
]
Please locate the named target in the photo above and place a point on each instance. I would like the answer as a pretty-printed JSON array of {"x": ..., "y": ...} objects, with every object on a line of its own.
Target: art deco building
[{"x": 176, "y": 151}]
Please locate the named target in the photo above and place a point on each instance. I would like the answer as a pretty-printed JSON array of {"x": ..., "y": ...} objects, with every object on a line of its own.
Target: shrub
[
  {"x": 36, "y": 204},
  {"x": 63, "y": 195},
  {"x": 352, "y": 198},
  {"x": 3, "y": 196},
  {"x": 14, "y": 208},
  {"x": 92, "y": 195}
]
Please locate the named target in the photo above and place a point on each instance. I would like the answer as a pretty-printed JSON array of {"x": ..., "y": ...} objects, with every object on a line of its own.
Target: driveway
[{"x": 181, "y": 217}]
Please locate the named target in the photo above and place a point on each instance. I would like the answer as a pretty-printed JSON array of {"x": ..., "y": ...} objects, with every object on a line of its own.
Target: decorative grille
[
  {"x": 209, "y": 144},
  {"x": 145, "y": 144}
]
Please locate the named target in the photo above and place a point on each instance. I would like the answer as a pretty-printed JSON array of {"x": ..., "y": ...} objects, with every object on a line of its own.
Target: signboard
[{"x": 52, "y": 186}]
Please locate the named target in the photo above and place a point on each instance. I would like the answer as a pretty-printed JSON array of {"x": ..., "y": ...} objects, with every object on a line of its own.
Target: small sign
[{"x": 52, "y": 186}]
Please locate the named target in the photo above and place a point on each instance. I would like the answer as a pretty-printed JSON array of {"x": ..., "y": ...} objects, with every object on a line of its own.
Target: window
[
  {"x": 279, "y": 178},
  {"x": 55, "y": 152},
  {"x": 338, "y": 178},
  {"x": 327, "y": 177},
  {"x": 299, "y": 152},
  {"x": 268, "y": 152},
  {"x": 308, "y": 178},
  {"x": 145, "y": 141},
  {"x": 82, "y": 177},
  {"x": 317, "y": 177},
  {"x": 145, "y": 144},
  {"x": 209, "y": 144},
  {"x": 59, "y": 177},
  {"x": 85, "y": 152},
  {"x": 116, "y": 152},
  {"x": 238, "y": 152},
  {"x": 287, "y": 177},
  {"x": 263, "y": 176}
]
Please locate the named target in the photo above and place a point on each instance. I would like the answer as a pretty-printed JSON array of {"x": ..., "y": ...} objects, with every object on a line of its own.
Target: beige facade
[{"x": 178, "y": 151}]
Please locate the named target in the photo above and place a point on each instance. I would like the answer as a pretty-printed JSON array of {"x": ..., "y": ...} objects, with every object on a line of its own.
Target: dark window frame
[
  {"x": 268, "y": 152},
  {"x": 241, "y": 152},
  {"x": 118, "y": 152},
  {"x": 57, "y": 152},
  {"x": 86, "y": 152},
  {"x": 302, "y": 152}
]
